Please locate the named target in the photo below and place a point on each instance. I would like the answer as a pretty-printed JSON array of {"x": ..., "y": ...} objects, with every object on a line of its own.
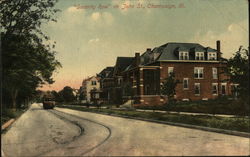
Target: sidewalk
[
  {"x": 82, "y": 106},
  {"x": 160, "y": 111},
  {"x": 189, "y": 113}
]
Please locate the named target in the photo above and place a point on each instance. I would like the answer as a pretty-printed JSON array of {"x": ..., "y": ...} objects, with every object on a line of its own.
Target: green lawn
[
  {"x": 237, "y": 123},
  {"x": 216, "y": 106}
]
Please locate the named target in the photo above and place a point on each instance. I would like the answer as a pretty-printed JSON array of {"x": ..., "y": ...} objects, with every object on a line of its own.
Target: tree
[
  {"x": 58, "y": 97},
  {"x": 26, "y": 16},
  {"x": 39, "y": 96},
  {"x": 67, "y": 94},
  {"x": 82, "y": 96},
  {"x": 28, "y": 63},
  {"x": 238, "y": 71},
  {"x": 168, "y": 87}
]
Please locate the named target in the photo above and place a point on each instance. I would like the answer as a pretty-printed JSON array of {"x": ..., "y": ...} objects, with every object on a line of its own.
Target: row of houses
[{"x": 199, "y": 70}]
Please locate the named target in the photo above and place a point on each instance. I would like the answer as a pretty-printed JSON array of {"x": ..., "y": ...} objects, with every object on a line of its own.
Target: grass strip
[
  {"x": 233, "y": 123},
  {"x": 8, "y": 114}
]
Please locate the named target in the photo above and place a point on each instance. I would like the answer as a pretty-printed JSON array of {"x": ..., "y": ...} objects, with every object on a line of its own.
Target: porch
[{"x": 142, "y": 84}]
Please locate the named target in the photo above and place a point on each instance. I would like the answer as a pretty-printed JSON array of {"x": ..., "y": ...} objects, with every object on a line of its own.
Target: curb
[
  {"x": 7, "y": 124},
  {"x": 4, "y": 127},
  {"x": 217, "y": 130},
  {"x": 2, "y": 154},
  {"x": 203, "y": 128}
]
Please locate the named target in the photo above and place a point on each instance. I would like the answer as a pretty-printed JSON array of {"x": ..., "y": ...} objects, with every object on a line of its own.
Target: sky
[{"x": 91, "y": 34}]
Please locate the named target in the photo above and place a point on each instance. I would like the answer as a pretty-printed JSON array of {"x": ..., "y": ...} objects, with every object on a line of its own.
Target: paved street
[{"x": 65, "y": 132}]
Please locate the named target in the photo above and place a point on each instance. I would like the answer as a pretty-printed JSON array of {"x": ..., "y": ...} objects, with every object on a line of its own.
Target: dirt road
[{"x": 65, "y": 132}]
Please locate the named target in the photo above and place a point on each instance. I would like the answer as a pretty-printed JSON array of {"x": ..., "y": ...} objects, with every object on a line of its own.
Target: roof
[
  {"x": 169, "y": 51},
  {"x": 89, "y": 78},
  {"x": 85, "y": 80},
  {"x": 210, "y": 49},
  {"x": 106, "y": 72},
  {"x": 111, "y": 73},
  {"x": 122, "y": 63}
]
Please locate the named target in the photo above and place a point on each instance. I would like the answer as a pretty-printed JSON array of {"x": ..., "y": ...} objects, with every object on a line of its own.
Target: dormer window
[
  {"x": 212, "y": 56},
  {"x": 183, "y": 56},
  {"x": 107, "y": 73},
  {"x": 156, "y": 55},
  {"x": 199, "y": 56}
]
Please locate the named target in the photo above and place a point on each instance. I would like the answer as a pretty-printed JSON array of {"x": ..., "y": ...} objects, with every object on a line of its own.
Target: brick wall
[{"x": 186, "y": 70}]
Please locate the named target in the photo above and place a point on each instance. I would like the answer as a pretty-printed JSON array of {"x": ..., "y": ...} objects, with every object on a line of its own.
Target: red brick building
[{"x": 198, "y": 68}]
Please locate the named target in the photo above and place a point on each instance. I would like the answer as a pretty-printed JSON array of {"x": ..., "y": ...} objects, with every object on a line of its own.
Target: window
[
  {"x": 223, "y": 88},
  {"x": 119, "y": 81},
  {"x": 197, "y": 89},
  {"x": 211, "y": 56},
  {"x": 199, "y": 56},
  {"x": 96, "y": 96},
  {"x": 235, "y": 90},
  {"x": 107, "y": 73},
  {"x": 215, "y": 73},
  {"x": 93, "y": 82},
  {"x": 170, "y": 70},
  {"x": 185, "y": 83},
  {"x": 215, "y": 88},
  {"x": 198, "y": 72},
  {"x": 183, "y": 56}
]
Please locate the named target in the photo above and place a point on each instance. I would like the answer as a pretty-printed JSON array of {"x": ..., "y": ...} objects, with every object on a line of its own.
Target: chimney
[
  {"x": 218, "y": 49},
  {"x": 137, "y": 59}
]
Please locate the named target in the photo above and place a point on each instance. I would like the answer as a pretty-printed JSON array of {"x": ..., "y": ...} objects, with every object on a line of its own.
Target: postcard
[{"x": 125, "y": 78}]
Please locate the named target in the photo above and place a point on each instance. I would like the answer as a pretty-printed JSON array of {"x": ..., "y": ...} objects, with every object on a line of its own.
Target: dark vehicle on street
[{"x": 48, "y": 102}]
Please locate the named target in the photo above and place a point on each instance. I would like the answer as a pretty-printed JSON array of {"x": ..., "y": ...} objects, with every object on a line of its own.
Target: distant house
[
  {"x": 198, "y": 68},
  {"x": 106, "y": 85},
  {"x": 121, "y": 64},
  {"x": 111, "y": 81},
  {"x": 76, "y": 93},
  {"x": 91, "y": 84}
]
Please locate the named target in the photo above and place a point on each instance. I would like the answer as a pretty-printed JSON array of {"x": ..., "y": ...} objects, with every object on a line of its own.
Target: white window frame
[
  {"x": 215, "y": 73},
  {"x": 170, "y": 70},
  {"x": 183, "y": 55},
  {"x": 215, "y": 84},
  {"x": 224, "y": 84},
  {"x": 185, "y": 79},
  {"x": 195, "y": 84},
  {"x": 200, "y": 70},
  {"x": 212, "y": 56},
  {"x": 199, "y": 56}
]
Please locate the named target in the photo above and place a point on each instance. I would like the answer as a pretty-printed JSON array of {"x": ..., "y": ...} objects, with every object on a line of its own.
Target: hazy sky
[{"x": 89, "y": 38}]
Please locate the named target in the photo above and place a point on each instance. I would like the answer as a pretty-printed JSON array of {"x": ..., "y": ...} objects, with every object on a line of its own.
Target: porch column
[
  {"x": 141, "y": 81},
  {"x": 134, "y": 83}
]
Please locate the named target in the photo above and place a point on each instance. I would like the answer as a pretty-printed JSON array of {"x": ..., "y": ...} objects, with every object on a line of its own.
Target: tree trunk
[{"x": 13, "y": 97}]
